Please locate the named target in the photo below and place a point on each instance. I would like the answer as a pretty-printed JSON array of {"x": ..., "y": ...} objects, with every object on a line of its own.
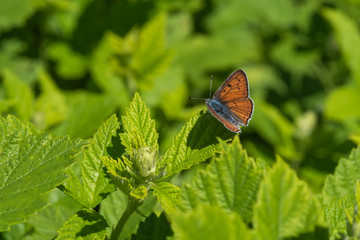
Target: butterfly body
[{"x": 231, "y": 103}]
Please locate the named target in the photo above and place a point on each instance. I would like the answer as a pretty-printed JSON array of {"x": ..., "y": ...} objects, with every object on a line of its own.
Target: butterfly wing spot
[{"x": 235, "y": 86}]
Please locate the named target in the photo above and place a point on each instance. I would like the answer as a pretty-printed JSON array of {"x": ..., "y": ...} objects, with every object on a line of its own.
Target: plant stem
[{"x": 131, "y": 207}]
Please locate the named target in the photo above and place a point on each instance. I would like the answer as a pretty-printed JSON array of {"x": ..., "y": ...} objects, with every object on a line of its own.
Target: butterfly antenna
[
  {"x": 191, "y": 98},
  {"x": 210, "y": 86}
]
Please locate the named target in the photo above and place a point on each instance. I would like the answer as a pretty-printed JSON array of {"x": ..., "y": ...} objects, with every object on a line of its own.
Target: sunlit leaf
[
  {"x": 167, "y": 194},
  {"x": 139, "y": 128},
  {"x": 285, "y": 207},
  {"x": 343, "y": 182},
  {"x": 94, "y": 184},
  {"x": 231, "y": 181},
  {"x": 209, "y": 222},
  {"x": 85, "y": 224},
  {"x": 336, "y": 215}
]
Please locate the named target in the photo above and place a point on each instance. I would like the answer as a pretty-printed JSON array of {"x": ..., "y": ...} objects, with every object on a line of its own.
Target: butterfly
[{"x": 231, "y": 103}]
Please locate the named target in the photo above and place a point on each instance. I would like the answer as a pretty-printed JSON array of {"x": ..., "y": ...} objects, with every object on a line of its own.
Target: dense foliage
[{"x": 99, "y": 141}]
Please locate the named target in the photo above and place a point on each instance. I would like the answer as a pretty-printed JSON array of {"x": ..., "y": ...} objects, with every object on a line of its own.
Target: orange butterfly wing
[
  {"x": 234, "y": 94},
  {"x": 241, "y": 110},
  {"x": 235, "y": 87}
]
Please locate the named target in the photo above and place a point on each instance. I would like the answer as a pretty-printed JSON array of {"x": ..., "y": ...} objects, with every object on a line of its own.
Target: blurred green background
[{"x": 67, "y": 65}]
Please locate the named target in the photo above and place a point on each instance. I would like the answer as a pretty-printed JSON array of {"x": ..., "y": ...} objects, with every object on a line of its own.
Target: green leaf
[
  {"x": 94, "y": 184},
  {"x": 285, "y": 207},
  {"x": 31, "y": 165},
  {"x": 167, "y": 194},
  {"x": 209, "y": 222},
  {"x": 339, "y": 104},
  {"x": 298, "y": 62},
  {"x": 70, "y": 65},
  {"x": 151, "y": 57},
  {"x": 153, "y": 228},
  {"x": 51, "y": 107},
  {"x": 140, "y": 141},
  {"x": 105, "y": 75},
  {"x": 348, "y": 36},
  {"x": 139, "y": 128},
  {"x": 20, "y": 94},
  {"x": 230, "y": 181},
  {"x": 85, "y": 224},
  {"x": 336, "y": 215},
  {"x": 15, "y": 13},
  {"x": 196, "y": 142},
  {"x": 343, "y": 182}
]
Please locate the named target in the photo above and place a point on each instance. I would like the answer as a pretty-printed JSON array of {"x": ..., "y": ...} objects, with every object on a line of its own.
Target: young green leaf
[
  {"x": 31, "y": 165},
  {"x": 139, "y": 128},
  {"x": 118, "y": 173},
  {"x": 285, "y": 207},
  {"x": 196, "y": 142},
  {"x": 336, "y": 214},
  {"x": 343, "y": 182},
  {"x": 140, "y": 140},
  {"x": 139, "y": 193},
  {"x": 85, "y": 224},
  {"x": 230, "y": 181},
  {"x": 339, "y": 194},
  {"x": 94, "y": 184},
  {"x": 209, "y": 222},
  {"x": 167, "y": 194}
]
